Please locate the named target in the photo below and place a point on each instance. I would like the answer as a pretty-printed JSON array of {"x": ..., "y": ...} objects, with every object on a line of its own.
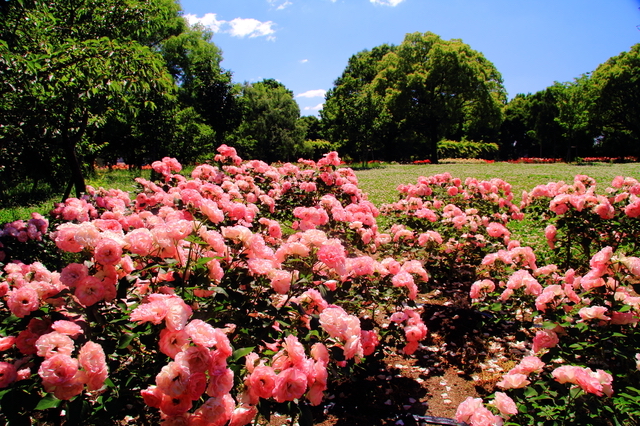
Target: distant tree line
[{"x": 82, "y": 80}]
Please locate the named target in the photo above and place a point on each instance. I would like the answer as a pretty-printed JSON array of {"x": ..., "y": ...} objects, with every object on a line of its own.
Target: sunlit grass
[{"x": 381, "y": 183}]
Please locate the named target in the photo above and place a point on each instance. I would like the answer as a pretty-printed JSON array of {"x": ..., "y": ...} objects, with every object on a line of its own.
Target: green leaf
[
  {"x": 49, "y": 401},
  {"x": 124, "y": 340},
  {"x": 239, "y": 353}
]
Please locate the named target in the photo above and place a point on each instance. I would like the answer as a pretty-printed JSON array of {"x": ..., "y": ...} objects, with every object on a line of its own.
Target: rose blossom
[
  {"x": 290, "y": 384},
  {"x": 544, "y": 339},
  {"x": 504, "y": 404},
  {"x": 513, "y": 381},
  {"x": 54, "y": 343}
]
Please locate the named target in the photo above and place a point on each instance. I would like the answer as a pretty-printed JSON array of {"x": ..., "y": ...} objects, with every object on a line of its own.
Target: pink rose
[
  {"x": 513, "y": 381},
  {"x": 504, "y": 404},
  {"x": 544, "y": 339}
]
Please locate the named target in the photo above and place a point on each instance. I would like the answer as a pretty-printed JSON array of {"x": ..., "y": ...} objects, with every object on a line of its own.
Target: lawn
[{"x": 380, "y": 183}]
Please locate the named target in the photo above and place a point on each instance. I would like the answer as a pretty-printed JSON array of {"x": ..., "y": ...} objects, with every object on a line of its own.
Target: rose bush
[{"x": 247, "y": 289}]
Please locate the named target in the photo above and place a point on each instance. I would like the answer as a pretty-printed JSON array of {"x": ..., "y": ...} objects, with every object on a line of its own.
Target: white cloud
[
  {"x": 239, "y": 27},
  {"x": 281, "y": 5},
  {"x": 304, "y": 61},
  {"x": 208, "y": 20},
  {"x": 242, "y": 27},
  {"x": 318, "y": 93},
  {"x": 391, "y": 3},
  {"x": 314, "y": 108}
]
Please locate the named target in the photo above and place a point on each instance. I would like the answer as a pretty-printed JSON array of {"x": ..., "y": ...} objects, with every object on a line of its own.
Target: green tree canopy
[
  {"x": 414, "y": 95},
  {"x": 616, "y": 84},
  {"x": 66, "y": 66},
  {"x": 270, "y": 129}
]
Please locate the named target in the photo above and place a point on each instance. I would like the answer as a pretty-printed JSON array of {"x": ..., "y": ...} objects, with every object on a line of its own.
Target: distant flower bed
[{"x": 536, "y": 160}]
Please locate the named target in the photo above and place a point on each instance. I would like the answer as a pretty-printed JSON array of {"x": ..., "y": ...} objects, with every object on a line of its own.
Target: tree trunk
[{"x": 69, "y": 143}]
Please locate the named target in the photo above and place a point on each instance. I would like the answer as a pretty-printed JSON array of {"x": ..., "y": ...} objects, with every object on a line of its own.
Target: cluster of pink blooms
[
  {"x": 622, "y": 198},
  {"x": 199, "y": 355},
  {"x": 22, "y": 231},
  {"x": 473, "y": 412},
  {"x": 552, "y": 291},
  {"x": 597, "y": 382},
  {"x": 62, "y": 374},
  {"x": 221, "y": 219},
  {"x": 414, "y": 329},
  {"x": 290, "y": 376}
]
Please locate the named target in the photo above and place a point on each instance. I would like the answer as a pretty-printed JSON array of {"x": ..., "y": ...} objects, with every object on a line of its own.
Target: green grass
[
  {"x": 381, "y": 183},
  {"x": 21, "y": 202}
]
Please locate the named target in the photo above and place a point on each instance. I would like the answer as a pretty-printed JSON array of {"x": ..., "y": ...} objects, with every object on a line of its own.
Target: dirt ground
[{"x": 464, "y": 355}]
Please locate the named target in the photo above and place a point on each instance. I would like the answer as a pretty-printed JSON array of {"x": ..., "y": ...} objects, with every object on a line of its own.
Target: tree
[
  {"x": 438, "y": 89},
  {"x": 66, "y": 66},
  {"x": 616, "y": 84},
  {"x": 414, "y": 95},
  {"x": 194, "y": 62},
  {"x": 574, "y": 101},
  {"x": 270, "y": 130},
  {"x": 516, "y": 134},
  {"x": 352, "y": 116}
]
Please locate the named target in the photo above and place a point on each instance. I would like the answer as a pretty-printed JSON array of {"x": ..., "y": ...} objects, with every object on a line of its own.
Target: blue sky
[{"x": 305, "y": 44}]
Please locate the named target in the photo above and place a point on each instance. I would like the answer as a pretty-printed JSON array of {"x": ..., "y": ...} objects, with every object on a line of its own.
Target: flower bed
[{"x": 248, "y": 289}]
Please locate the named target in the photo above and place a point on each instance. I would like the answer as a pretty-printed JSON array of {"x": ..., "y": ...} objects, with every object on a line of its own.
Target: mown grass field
[{"x": 380, "y": 183}]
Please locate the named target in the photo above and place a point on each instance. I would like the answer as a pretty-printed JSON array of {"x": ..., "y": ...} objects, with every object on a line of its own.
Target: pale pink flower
[
  {"x": 468, "y": 408},
  {"x": 54, "y": 343},
  {"x": 544, "y": 339},
  {"x": 197, "y": 358},
  {"x": 173, "y": 342},
  {"x": 600, "y": 260},
  {"x": 152, "y": 396},
  {"x": 220, "y": 381},
  {"x": 550, "y": 233},
  {"x": 295, "y": 350},
  {"x": 139, "y": 241},
  {"x": 479, "y": 286},
  {"x": 173, "y": 406},
  {"x": 6, "y": 342},
  {"x": 201, "y": 333},
  {"x": 173, "y": 379},
  {"x": 370, "y": 341},
  {"x": 58, "y": 370},
  {"x": 243, "y": 415},
  {"x": 280, "y": 280},
  {"x": 69, "y": 328},
  {"x": 497, "y": 230},
  {"x": 214, "y": 412},
  {"x": 333, "y": 254},
  {"x": 262, "y": 381},
  {"x": 22, "y": 301},
  {"x": 65, "y": 238},
  {"x": 89, "y": 291},
  {"x": 528, "y": 365},
  {"x": 513, "y": 381},
  {"x": 108, "y": 252},
  {"x": 632, "y": 264},
  {"x": 93, "y": 360},
  {"x": 73, "y": 273},
  {"x": 178, "y": 313},
  {"x": 594, "y": 312},
  {"x": 290, "y": 384},
  {"x": 504, "y": 404}
]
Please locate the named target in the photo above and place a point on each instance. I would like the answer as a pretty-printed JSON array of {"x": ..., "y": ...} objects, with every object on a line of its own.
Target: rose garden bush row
[{"x": 249, "y": 288}]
